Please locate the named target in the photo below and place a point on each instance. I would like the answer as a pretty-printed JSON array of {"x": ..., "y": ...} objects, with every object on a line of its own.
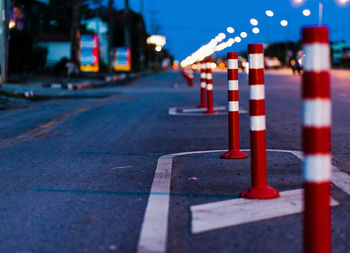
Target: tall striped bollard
[
  {"x": 210, "y": 102},
  {"x": 233, "y": 109},
  {"x": 316, "y": 140},
  {"x": 203, "y": 85},
  {"x": 259, "y": 189}
]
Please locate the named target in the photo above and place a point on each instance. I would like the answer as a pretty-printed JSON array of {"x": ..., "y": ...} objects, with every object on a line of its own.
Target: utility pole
[
  {"x": 4, "y": 43},
  {"x": 127, "y": 20},
  {"x": 75, "y": 34},
  {"x": 127, "y": 24},
  {"x": 141, "y": 37},
  {"x": 111, "y": 34}
]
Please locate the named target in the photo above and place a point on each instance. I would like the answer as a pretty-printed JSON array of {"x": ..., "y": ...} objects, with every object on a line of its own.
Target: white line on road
[
  {"x": 154, "y": 231},
  {"x": 180, "y": 111},
  {"x": 155, "y": 225},
  {"x": 235, "y": 212},
  {"x": 222, "y": 108}
]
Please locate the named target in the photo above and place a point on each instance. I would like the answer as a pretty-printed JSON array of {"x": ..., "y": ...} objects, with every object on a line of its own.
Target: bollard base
[
  {"x": 210, "y": 111},
  {"x": 234, "y": 154},
  {"x": 202, "y": 106},
  {"x": 260, "y": 192}
]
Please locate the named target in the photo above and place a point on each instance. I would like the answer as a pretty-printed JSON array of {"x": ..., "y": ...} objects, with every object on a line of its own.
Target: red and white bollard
[
  {"x": 210, "y": 102},
  {"x": 233, "y": 109},
  {"x": 203, "y": 84},
  {"x": 187, "y": 73},
  {"x": 316, "y": 140},
  {"x": 259, "y": 189}
]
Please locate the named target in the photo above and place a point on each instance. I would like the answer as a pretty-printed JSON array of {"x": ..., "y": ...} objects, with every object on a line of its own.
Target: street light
[
  {"x": 284, "y": 22},
  {"x": 343, "y": 2},
  {"x": 238, "y": 39},
  {"x": 306, "y": 12},
  {"x": 269, "y": 13},
  {"x": 244, "y": 35},
  {"x": 254, "y": 22},
  {"x": 222, "y": 36},
  {"x": 230, "y": 29},
  {"x": 255, "y": 30}
]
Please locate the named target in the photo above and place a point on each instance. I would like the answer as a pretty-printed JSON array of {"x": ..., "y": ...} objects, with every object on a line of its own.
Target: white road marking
[
  {"x": 235, "y": 212},
  {"x": 203, "y": 109},
  {"x": 155, "y": 225},
  {"x": 180, "y": 111},
  {"x": 154, "y": 231}
]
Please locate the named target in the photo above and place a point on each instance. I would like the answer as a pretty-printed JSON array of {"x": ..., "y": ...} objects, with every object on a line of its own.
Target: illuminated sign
[
  {"x": 89, "y": 53},
  {"x": 122, "y": 59}
]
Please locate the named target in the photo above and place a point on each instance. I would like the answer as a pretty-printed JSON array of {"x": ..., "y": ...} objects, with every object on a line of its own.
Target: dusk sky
[{"x": 189, "y": 24}]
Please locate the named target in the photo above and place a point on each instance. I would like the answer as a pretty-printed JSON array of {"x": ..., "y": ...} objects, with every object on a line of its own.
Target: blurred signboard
[
  {"x": 89, "y": 54},
  {"x": 122, "y": 59}
]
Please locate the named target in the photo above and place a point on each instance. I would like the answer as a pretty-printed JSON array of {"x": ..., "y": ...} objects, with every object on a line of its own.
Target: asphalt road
[{"x": 76, "y": 173}]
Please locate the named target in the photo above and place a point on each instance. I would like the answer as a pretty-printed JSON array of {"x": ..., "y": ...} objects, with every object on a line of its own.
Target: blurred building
[
  {"x": 341, "y": 53},
  {"x": 57, "y": 46}
]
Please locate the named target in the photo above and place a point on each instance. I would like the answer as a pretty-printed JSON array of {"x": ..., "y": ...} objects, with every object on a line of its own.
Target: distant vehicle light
[{"x": 12, "y": 24}]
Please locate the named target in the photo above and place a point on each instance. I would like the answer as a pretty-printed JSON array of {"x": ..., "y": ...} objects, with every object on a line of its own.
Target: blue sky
[{"x": 188, "y": 24}]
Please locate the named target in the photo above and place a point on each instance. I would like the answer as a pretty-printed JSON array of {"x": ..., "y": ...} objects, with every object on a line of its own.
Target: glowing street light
[
  {"x": 284, "y": 22},
  {"x": 238, "y": 39},
  {"x": 244, "y": 35},
  {"x": 306, "y": 12},
  {"x": 158, "y": 48},
  {"x": 298, "y": 1},
  {"x": 343, "y": 2},
  {"x": 254, "y": 22},
  {"x": 269, "y": 13},
  {"x": 231, "y": 41},
  {"x": 255, "y": 30},
  {"x": 230, "y": 29},
  {"x": 222, "y": 36}
]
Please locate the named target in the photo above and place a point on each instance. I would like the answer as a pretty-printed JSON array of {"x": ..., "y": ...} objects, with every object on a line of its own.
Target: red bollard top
[
  {"x": 315, "y": 34},
  {"x": 255, "y": 49},
  {"x": 232, "y": 55}
]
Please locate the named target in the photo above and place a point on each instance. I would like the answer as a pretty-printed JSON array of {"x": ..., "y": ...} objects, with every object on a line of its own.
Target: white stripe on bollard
[
  {"x": 232, "y": 64},
  {"x": 319, "y": 168},
  {"x": 317, "y": 112},
  {"x": 256, "y": 61},
  {"x": 233, "y": 85},
  {"x": 257, "y": 92},
  {"x": 317, "y": 57},
  {"x": 257, "y": 123},
  {"x": 233, "y": 106}
]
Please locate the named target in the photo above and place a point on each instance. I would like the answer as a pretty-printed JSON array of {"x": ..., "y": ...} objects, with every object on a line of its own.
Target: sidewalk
[{"x": 46, "y": 87}]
